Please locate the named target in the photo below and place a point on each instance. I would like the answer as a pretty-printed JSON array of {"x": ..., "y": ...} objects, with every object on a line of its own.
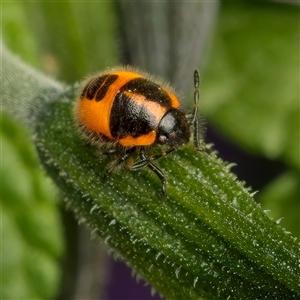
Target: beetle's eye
[{"x": 162, "y": 139}]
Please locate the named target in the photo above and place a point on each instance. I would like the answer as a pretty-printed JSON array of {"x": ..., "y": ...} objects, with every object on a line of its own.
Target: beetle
[{"x": 125, "y": 110}]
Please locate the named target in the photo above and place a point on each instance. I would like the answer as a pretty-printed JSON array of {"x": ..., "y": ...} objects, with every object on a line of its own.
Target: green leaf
[
  {"x": 208, "y": 239},
  {"x": 209, "y": 227}
]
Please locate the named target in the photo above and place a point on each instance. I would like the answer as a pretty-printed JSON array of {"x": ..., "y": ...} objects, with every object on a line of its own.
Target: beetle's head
[{"x": 174, "y": 129}]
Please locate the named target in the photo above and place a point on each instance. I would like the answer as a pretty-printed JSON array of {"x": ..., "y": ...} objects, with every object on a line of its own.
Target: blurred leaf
[
  {"x": 282, "y": 198},
  {"x": 74, "y": 38},
  {"x": 97, "y": 25},
  {"x": 251, "y": 88},
  {"x": 17, "y": 34},
  {"x": 31, "y": 235}
]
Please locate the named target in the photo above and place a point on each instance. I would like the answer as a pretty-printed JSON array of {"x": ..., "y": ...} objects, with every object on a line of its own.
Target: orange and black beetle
[{"x": 126, "y": 109}]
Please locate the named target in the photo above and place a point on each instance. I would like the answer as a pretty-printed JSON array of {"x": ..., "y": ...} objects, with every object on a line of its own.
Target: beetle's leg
[
  {"x": 161, "y": 176},
  {"x": 114, "y": 164},
  {"x": 147, "y": 162},
  {"x": 155, "y": 157}
]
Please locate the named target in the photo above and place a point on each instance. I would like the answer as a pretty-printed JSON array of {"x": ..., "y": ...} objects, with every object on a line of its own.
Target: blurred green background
[{"x": 248, "y": 55}]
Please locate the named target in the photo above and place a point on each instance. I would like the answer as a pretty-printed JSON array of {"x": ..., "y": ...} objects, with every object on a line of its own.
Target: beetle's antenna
[{"x": 195, "y": 120}]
